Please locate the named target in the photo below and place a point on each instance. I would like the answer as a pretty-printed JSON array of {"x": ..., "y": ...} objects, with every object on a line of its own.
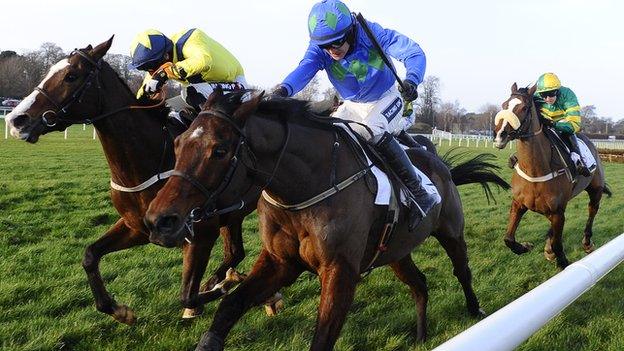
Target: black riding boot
[
  {"x": 396, "y": 157},
  {"x": 408, "y": 141},
  {"x": 581, "y": 166}
]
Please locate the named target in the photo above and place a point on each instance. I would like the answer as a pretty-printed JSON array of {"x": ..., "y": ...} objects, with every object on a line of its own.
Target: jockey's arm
[
  {"x": 197, "y": 61},
  {"x": 403, "y": 49},
  {"x": 571, "y": 121},
  {"x": 303, "y": 74}
]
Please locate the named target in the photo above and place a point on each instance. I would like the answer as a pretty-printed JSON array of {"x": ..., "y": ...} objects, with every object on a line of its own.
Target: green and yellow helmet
[
  {"x": 548, "y": 82},
  {"x": 148, "y": 48}
]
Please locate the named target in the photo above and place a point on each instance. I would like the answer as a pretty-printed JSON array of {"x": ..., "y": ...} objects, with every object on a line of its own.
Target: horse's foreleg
[
  {"x": 515, "y": 215},
  {"x": 548, "y": 252},
  {"x": 338, "y": 282},
  {"x": 595, "y": 195},
  {"x": 408, "y": 273},
  {"x": 118, "y": 237},
  {"x": 195, "y": 258},
  {"x": 556, "y": 221},
  {"x": 233, "y": 252},
  {"x": 268, "y": 275}
]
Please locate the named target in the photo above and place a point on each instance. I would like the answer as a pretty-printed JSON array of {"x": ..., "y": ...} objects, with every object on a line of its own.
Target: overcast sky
[{"x": 477, "y": 48}]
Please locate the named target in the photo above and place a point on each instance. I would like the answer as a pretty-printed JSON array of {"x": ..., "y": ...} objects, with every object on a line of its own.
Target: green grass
[{"x": 54, "y": 202}]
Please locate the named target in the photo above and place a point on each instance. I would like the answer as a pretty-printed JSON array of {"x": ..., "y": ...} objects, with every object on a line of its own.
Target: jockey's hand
[
  {"x": 409, "y": 91},
  {"x": 171, "y": 70},
  {"x": 280, "y": 91},
  {"x": 156, "y": 82}
]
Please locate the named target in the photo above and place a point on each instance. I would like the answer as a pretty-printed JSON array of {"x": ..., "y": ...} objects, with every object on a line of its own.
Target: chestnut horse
[
  {"x": 281, "y": 145},
  {"x": 137, "y": 147},
  {"x": 545, "y": 190}
]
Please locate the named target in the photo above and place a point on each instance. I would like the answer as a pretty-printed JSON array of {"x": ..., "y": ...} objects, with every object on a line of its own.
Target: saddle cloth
[
  {"x": 586, "y": 154},
  {"x": 384, "y": 188}
]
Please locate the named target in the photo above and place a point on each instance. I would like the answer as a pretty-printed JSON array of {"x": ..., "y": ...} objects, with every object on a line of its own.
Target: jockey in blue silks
[{"x": 339, "y": 45}]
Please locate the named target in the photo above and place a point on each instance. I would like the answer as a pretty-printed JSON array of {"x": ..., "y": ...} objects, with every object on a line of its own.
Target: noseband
[{"x": 524, "y": 131}]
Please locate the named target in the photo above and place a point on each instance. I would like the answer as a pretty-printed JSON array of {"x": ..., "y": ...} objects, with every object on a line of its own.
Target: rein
[{"x": 524, "y": 131}]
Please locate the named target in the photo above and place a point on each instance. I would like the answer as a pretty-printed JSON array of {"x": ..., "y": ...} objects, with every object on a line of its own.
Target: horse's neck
[
  {"x": 534, "y": 153},
  {"x": 304, "y": 170},
  {"x": 132, "y": 140}
]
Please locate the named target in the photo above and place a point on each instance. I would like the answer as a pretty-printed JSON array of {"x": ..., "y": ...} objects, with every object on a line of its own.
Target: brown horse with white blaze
[
  {"x": 281, "y": 145},
  {"x": 541, "y": 185},
  {"x": 83, "y": 88}
]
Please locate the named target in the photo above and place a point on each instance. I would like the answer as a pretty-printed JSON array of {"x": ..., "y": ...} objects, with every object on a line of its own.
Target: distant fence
[
  {"x": 5, "y": 110},
  {"x": 516, "y": 322}
]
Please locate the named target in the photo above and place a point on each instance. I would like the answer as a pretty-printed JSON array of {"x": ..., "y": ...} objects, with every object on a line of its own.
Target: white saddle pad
[
  {"x": 383, "y": 183},
  {"x": 586, "y": 155}
]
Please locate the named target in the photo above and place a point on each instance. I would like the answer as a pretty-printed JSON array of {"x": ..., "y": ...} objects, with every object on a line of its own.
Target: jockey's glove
[
  {"x": 409, "y": 90},
  {"x": 156, "y": 82}
]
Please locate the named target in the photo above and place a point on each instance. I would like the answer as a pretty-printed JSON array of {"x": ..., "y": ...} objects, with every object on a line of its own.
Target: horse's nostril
[
  {"x": 19, "y": 121},
  {"x": 167, "y": 224}
]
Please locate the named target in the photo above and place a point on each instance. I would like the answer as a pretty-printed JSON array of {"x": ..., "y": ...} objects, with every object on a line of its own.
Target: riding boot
[
  {"x": 580, "y": 164},
  {"x": 422, "y": 201},
  {"x": 408, "y": 141}
]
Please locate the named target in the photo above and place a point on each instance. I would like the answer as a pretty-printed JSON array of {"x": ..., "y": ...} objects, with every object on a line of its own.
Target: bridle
[
  {"x": 51, "y": 118},
  {"x": 208, "y": 209},
  {"x": 524, "y": 131}
]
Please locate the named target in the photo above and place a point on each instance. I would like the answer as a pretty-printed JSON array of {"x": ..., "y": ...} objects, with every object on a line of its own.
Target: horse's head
[
  {"x": 515, "y": 117},
  {"x": 63, "y": 95},
  {"x": 207, "y": 173}
]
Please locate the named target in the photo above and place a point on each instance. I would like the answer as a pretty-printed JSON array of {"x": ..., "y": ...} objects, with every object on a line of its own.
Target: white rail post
[
  {"x": 6, "y": 128},
  {"x": 516, "y": 322},
  {"x": 65, "y": 134},
  {"x": 94, "y": 135}
]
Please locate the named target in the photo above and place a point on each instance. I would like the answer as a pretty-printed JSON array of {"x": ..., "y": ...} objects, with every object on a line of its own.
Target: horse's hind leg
[
  {"x": 455, "y": 247},
  {"x": 515, "y": 215},
  {"x": 595, "y": 195},
  {"x": 233, "y": 251},
  {"x": 268, "y": 275},
  {"x": 408, "y": 273},
  {"x": 195, "y": 258},
  {"x": 118, "y": 237}
]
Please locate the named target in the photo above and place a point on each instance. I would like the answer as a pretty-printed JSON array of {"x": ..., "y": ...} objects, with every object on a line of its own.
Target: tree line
[{"x": 20, "y": 73}]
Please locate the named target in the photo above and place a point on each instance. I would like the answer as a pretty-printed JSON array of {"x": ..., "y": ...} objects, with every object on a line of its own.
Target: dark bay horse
[
  {"x": 136, "y": 148},
  {"x": 276, "y": 143},
  {"x": 545, "y": 189}
]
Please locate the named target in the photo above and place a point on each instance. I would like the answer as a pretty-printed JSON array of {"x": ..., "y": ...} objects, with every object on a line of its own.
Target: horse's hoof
[
  {"x": 124, "y": 314},
  {"x": 550, "y": 256},
  {"x": 480, "y": 313},
  {"x": 210, "y": 342},
  {"x": 274, "y": 305},
  {"x": 527, "y": 246},
  {"x": 589, "y": 248},
  {"x": 191, "y": 313}
]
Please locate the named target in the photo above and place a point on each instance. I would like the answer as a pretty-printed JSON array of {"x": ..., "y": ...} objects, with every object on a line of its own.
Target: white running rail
[{"x": 516, "y": 322}]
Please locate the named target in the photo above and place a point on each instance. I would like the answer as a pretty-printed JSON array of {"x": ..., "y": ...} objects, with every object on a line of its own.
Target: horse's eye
[
  {"x": 219, "y": 152},
  {"x": 70, "y": 77}
]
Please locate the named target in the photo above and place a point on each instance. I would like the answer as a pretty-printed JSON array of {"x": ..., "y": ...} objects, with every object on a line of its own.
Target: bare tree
[
  {"x": 311, "y": 91},
  {"x": 428, "y": 100}
]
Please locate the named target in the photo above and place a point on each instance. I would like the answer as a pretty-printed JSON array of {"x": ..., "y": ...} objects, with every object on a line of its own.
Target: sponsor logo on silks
[
  {"x": 227, "y": 86},
  {"x": 393, "y": 109}
]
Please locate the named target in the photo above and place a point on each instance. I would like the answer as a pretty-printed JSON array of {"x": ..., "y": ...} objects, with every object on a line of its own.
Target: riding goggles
[
  {"x": 336, "y": 44},
  {"x": 550, "y": 93}
]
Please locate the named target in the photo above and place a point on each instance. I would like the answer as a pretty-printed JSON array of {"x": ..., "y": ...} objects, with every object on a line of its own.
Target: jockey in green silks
[{"x": 560, "y": 105}]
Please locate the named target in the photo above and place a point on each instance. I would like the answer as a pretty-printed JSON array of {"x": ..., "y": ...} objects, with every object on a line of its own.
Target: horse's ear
[
  {"x": 216, "y": 94},
  {"x": 99, "y": 51},
  {"x": 247, "y": 108},
  {"x": 532, "y": 90},
  {"x": 514, "y": 88}
]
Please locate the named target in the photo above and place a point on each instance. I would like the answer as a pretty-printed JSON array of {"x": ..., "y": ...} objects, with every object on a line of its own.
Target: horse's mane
[{"x": 287, "y": 109}]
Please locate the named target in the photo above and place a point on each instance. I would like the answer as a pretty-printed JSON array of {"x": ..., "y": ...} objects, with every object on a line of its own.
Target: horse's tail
[
  {"x": 478, "y": 169},
  {"x": 607, "y": 190}
]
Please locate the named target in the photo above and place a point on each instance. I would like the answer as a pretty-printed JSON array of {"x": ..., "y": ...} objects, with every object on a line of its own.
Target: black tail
[
  {"x": 607, "y": 190},
  {"x": 478, "y": 169}
]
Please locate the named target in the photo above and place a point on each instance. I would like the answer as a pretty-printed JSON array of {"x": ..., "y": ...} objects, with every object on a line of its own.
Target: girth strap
[{"x": 318, "y": 198}]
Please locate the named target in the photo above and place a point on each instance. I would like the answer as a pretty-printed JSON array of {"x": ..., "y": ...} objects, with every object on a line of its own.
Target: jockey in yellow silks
[
  {"x": 190, "y": 57},
  {"x": 560, "y": 105}
]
